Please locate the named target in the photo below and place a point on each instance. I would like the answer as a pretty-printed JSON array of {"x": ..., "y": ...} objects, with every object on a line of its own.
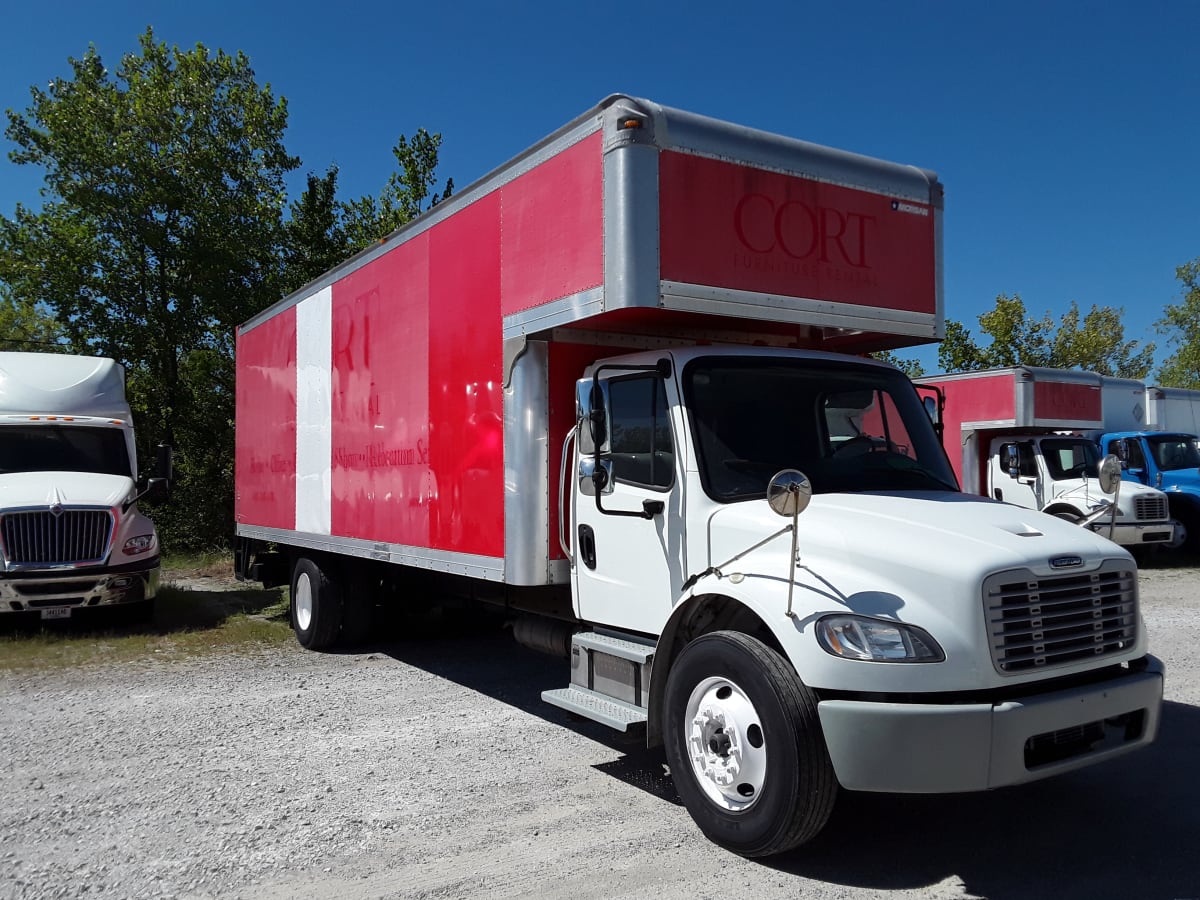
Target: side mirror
[
  {"x": 1109, "y": 473},
  {"x": 931, "y": 408},
  {"x": 157, "y": 490}
]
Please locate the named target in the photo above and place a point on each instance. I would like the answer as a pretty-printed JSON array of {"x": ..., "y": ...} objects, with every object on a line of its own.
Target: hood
[
  {"x": 1177, "y": 479},
  {"x": 1086, "y": 493},
  {"x": 21, "y": 490},
  {"x": 960, "y": 536}
]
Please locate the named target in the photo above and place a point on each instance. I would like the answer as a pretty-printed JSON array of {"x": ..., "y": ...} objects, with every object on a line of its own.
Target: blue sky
[{"x": 1066, "y": 134}]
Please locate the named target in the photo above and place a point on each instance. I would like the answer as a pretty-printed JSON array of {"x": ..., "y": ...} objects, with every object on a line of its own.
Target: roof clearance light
[{"x": 630, "y": 122}]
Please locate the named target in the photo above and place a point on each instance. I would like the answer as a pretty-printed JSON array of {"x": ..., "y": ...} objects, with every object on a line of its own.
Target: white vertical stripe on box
[{"x": 314, "y": 411}]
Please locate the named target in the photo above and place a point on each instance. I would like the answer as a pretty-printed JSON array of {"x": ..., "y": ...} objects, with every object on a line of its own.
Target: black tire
[
  {"x": 1069, "y": 517},
  {"x": 316, "y": 606},
  {"x": 788, "y": 786}
]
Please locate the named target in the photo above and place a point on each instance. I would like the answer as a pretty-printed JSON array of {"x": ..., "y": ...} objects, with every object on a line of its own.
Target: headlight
[
  {"x": 876, "y": 640},
  {"x": 139, "y": 544}
]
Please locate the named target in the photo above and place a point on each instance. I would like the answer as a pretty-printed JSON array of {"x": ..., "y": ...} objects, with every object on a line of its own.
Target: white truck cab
[
  {"x": 1057, "y": 474},
  {"x": 71, "y": 533}
]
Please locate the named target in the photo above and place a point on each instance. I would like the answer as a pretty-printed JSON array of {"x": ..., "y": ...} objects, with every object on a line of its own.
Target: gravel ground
[{"x": 429, "y": 767}]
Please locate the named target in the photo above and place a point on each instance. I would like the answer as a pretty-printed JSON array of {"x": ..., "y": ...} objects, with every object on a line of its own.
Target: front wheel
[{"x": 744, "y": 743}]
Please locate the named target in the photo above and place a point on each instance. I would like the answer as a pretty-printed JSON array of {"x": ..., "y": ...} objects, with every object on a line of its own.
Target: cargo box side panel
[
  {"x": 465, "y": 381},
  {"x": 1066, "y": 404},
  {"x": 797, "y": 249},
  {"x": 265, "y": 448},
  {"x": 417, "y": 437},
  {"x": 552, "y": 232},
  {"x": 383, "y": 485}
]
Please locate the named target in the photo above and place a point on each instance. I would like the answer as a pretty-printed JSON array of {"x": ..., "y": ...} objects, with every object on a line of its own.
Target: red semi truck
[{"x": 617, "y": 387}]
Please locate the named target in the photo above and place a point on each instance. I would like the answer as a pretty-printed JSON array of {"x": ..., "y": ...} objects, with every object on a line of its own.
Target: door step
[
  {"x": 610, "y": 680},
  {"x": 596, "y": 707}
]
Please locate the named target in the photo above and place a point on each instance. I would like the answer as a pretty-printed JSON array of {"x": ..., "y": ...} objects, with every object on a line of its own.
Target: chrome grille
[
  {"x": 1150, "y": 509},
  {"x": 40, "y": 538},
  {"x": 1038, "y": 623}
]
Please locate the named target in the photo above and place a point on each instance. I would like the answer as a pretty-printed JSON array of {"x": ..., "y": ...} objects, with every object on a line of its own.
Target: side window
[
  {"x": 1028, "y": 460},
  {"x": 1134, "y": 460},
  {"x": 642, "y": 448}
]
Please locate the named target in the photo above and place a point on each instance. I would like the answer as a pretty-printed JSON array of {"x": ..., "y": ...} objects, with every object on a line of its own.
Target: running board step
[
  {"x": 590, "y": 705},
  {"x": 610, "y": 680}
]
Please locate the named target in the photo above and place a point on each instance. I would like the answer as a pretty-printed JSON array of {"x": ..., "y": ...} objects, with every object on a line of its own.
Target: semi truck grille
[
  {"x": 38, "y": 537},
  {"x": 1150, "y": 509},
  {"x": 1039, "y": 623}
]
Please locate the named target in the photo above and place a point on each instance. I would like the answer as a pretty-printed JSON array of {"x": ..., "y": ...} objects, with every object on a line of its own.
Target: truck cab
[
  {"x": 1058, "y": 474},
  {"x": 1169, "y": 462},
  {"x": 71, "y": 533}
]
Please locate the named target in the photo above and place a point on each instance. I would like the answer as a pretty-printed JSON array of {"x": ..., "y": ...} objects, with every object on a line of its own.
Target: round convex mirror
[
  {"x": 1110, "y": 473},
  {"x": 788, "y": 492}
]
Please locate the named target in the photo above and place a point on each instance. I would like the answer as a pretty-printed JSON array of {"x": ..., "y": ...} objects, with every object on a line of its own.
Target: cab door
[{"x": 627, "y": 499}]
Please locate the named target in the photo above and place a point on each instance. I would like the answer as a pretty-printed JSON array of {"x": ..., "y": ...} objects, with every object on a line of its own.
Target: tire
[
  {"x": 745, "y": 747},
  {"x": 1068, "y": 517},
  {"x": 316, "y": 606}
]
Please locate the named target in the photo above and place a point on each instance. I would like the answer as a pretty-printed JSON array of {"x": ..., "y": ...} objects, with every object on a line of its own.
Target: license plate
[{"x": 57, "y": 612}]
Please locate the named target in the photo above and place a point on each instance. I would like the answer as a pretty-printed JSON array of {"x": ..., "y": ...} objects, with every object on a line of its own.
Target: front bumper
[
  {"x": 1136, "y": 534},
  {"x": 26, "y": 591},
  {"x": 947, "y": 748}
]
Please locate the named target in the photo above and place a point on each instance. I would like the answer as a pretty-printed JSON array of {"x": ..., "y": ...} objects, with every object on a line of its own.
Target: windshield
[
  {"x": 1070, "y": 458},
  {"x": 847, "y": 427},
  {"x": 63, "y": 448},
  {"x": 1175, "y": 451}
]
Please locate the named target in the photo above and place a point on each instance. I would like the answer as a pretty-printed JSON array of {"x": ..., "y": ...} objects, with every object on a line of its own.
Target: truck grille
[
  {"x": 1150, "y": 509},
  {"x": 38, "y": 537},
  {"x": 1039, "y": 623}
]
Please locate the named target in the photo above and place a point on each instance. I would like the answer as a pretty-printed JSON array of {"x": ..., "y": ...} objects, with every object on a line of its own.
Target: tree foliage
[
  {"x": 27, "y": 325},
  {"x": 1094, "y": 342},
  {"x": 164, "y": 224},
  {"x": 1181, "y": 321}
]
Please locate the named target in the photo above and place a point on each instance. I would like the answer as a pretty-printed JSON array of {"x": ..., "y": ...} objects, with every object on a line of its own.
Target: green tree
[
  {"x": 910, "y": 367},
  {"x": 1094, "y": 342},
  {"x": 1181, "y": 321},
  {"x": 159, "y": 232},
  {"x": 27, "y": 325},
  {"x": 405, "y": 196}
]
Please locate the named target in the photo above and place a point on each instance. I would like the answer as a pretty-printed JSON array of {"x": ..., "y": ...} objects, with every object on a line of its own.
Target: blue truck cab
[{"x": 1169, "y": 461}]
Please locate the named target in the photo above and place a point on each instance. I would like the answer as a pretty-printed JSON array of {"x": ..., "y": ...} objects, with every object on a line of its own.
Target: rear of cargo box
[{"x": 410, "y": 405}]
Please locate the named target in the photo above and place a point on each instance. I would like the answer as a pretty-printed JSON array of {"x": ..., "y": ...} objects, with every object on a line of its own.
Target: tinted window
[
  {"x": 63, "y": 448},
  {"x": 642, "y": 449}
]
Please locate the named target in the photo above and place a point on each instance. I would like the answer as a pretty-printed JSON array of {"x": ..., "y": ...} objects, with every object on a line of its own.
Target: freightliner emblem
[{"x": 1066, "y": 562}]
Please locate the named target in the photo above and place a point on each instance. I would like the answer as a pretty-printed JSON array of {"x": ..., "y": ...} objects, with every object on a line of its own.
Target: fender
[{"x": 714, "y": 603}]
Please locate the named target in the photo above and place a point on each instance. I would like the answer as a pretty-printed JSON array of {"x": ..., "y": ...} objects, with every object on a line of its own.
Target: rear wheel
[
  {"x": 316, "y": 606},
  {"x": 745, "y": 747}
]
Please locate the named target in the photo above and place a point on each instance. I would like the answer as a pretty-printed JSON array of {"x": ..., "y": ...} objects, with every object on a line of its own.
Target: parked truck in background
[
  {"x": 71, "y": 533},
  {"x": 1023, "y": 435},
  {"x": 614, "y": 388},
  {"x": 1154, "y": 432}
]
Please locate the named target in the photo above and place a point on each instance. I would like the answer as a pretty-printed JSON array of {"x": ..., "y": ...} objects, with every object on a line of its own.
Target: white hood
[
  {"x": 1086, "y": 494},
  {"x": 960, "y": 536},
  {"x": 42, "y": 489}
]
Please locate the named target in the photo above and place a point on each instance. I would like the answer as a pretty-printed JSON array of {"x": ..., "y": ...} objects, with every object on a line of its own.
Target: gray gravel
[{"x": 429, "y": 767}]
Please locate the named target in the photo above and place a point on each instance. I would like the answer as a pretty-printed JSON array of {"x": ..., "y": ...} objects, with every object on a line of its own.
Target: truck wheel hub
[{"x": 725, "y": 744}]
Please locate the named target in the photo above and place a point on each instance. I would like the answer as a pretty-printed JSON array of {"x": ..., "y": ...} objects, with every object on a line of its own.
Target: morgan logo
[
  {"x": 901, "y": 206},
  {"x": 1066, "y": 562},
  {"x": 803, "y": 232}
]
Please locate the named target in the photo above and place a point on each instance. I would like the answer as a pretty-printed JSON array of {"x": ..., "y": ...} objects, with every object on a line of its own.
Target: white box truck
[
  {"x": 71, "y": 533},
  {"x": 1026, "y": 435},
  {"x": 616, "y": 386}
]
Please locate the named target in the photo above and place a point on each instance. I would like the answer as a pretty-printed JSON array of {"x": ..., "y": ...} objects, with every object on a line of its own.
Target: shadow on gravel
[
  {"x": 174, "y": 611},
  {"x": 1128, "y": 828},
  {"x": 480, "y": 654}
]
